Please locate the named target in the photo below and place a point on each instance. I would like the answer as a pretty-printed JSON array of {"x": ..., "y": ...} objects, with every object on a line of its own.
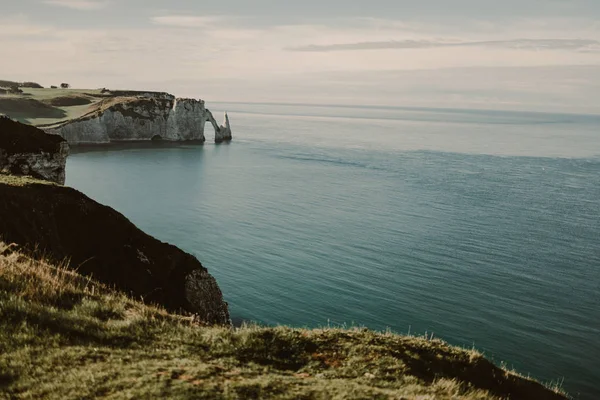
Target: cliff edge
[
  {"x": 100, "y": 116},
  {"x": 26, "y": 150},
  {"x": 63, "y": 223},
  {"x": 142, "y": 118},
  {"x": 63, "y": 336}
]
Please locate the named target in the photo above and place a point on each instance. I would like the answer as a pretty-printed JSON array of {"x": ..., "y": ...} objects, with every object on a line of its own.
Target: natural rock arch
[{"x": 142, "y": 117}]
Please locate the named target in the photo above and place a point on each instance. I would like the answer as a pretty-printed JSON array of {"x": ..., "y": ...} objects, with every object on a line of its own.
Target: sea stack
[{"x": 223, "y": 134}]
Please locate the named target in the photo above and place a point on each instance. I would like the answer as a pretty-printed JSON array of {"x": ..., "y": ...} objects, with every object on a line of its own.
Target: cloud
[
  {"x": 187, "y": 21},
  {"x": 222, "y": 57},
  {"x": 83, "y": 5},
  {"x": 16, "y": 28},
  {"x": 520, "y": 44}
]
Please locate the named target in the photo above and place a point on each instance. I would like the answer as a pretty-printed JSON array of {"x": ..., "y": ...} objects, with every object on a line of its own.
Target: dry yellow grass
[{"x": 69, "y": 337}]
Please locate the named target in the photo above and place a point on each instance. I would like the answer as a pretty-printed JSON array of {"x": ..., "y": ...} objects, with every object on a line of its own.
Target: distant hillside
[
  {"x": 63, "y": 336},
  {"x": 38, "y": 106},
  {"x": 101, "y": 116},
  {"x": 4, "y": 83}
]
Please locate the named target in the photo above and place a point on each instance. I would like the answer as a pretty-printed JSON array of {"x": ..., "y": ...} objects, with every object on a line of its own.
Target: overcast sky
[{"x": 539, "y": 55}]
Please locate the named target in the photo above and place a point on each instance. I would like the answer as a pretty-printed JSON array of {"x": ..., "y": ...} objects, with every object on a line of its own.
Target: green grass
[
  {"x": 35, "y": 106},
  {"x": 71, "y": 112},
  {"x": 48, "y": 94},
  {"x": 64, "y": 336}
]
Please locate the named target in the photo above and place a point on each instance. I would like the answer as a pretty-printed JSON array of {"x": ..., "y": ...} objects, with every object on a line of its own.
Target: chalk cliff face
[
  {"x": 26, "y": 150},
  {"x": 142, "y": 118},
  {"x": 62, "y": 223}
]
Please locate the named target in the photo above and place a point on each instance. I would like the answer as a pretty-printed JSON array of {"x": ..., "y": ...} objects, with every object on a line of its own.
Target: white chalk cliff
[{"x": 136, "y": 118}]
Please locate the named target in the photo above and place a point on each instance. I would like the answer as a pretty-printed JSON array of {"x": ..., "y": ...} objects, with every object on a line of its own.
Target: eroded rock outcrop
[
  {"x": 26, "y": 150},
  {"x": 223, "y": 134},
  {"x": 62, "y": 223},
  {"x": 142, "y": 117}
]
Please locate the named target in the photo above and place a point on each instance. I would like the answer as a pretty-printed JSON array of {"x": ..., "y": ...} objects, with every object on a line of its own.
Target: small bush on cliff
[{"x": 65, "y": 336}]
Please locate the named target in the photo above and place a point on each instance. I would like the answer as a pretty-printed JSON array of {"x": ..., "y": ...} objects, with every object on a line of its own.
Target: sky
[{"x": 529, "y": 55}]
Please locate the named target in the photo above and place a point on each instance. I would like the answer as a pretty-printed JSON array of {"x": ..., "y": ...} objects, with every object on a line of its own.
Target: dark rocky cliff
[
  {"x": 26, "y": 150},
  {"x": 63, "y": 223}
]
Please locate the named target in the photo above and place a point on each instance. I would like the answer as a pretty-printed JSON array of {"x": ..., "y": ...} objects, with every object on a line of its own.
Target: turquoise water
[{"x": 481, "y": 227}]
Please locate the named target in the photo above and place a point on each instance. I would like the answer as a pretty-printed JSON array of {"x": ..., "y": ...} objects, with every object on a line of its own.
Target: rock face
[
  {"x": 224, "y": 132},
  {"x": 26, "y": 150},
  {"x": 63, "y": 223},
  {"x": 142, "y": 117}
]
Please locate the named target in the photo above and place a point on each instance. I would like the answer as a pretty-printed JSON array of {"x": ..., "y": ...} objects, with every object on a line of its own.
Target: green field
[{"x": 48, "y": 106}]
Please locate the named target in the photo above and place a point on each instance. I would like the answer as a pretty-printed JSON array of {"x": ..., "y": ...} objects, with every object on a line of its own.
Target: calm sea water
[{"x": 481, "y": 227}]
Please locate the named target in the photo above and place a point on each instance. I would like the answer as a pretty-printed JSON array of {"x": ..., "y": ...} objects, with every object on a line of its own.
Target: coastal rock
[
  {"x": 199, "y": 285},
  {"x": 186, "y": 120},
  {"x": 141, "y": 118},
  {"x": 61, "y": 223},
  {"x": 223, "y": 134},
  {"x": 26, "y": 150}
]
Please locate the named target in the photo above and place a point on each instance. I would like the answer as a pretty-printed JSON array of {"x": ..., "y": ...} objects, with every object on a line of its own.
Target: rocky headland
[
  {"x": 142, "y": 118},
  {"x": 102, "y": 116}
]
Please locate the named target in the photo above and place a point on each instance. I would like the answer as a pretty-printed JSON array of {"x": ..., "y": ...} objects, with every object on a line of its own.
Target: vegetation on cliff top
[
  {"x": 124, "y": 106},
  {"x": 5, "y": 83},
  {"x": 49, "y": 107},
  {"x": 66, "y": 336}
]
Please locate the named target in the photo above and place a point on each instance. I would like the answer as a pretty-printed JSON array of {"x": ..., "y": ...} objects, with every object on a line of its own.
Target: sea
[{"x": 478, "y": 227}]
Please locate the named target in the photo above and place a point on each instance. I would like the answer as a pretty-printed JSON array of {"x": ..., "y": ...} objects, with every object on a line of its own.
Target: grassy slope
[
  {"x": 65, "y": 336},
  {"x": 51, "y": 107},
  {"x": 101, "y": 242},
  {"x": 35, "y": 106}
]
